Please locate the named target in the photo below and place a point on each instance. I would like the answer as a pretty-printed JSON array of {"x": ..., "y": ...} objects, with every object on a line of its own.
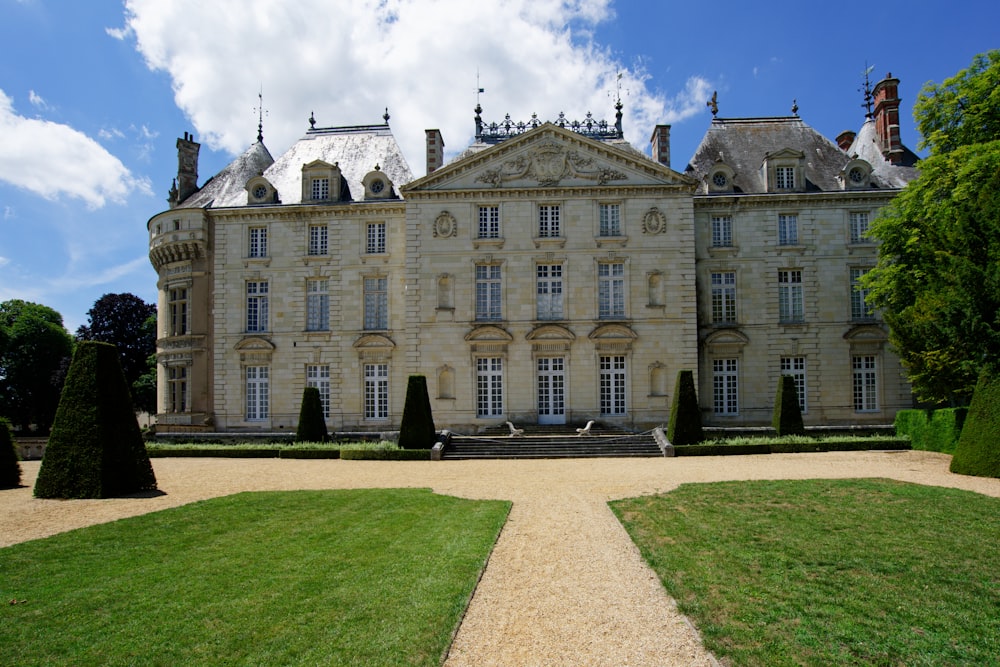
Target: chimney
[
  {"x": 435, "y": 150},
  {"x": 845, "y": 139},
  {"x": 187, "y": 167},
  {"x": 886, "y": 99},
  {"x": 661, "y": 144}
]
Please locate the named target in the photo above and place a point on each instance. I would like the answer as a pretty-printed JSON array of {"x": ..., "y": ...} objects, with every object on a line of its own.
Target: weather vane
[
  {"x": 867, "y": 90},
  {"x": 261, "y": 112},
  {"x": 479, "y": 89},
  {"x": 714, "y": 103}
]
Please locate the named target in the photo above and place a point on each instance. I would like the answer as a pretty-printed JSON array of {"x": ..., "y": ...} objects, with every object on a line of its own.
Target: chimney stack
[
  {"x": 886, "y": 99},
  {"x": 435, "y": 150},
  {"x": 661, "y": 144},
  {"x": 845, "y": 139},
  {"x": 187, "y": 167}
]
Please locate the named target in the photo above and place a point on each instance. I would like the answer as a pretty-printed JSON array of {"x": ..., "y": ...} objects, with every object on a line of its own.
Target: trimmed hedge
[
  {"x": 932, "y": 430},
  {"x": 312, "y": 423},
  {"x": 416, "y": 429},
  {"x": 803, "y": 447},
  {"x": 787, "y": 416},
  {"x": 684, "y": 427},
  {"x": 309, "y": 454},
  {"x": 10, "y": 468},
  {"x": 386, "y": 454},
  {"x": 978, "y": 450},
  {"x": 220, "y": 452},
  {"x": 95, "y": 449}
]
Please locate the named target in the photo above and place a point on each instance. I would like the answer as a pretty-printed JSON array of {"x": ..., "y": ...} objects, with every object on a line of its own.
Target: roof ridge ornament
[
  {"x": 714, "y": 103},
  {"x": 261, "y": 112}
]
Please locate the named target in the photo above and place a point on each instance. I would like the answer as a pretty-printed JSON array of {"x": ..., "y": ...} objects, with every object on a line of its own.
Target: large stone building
[{"x": 549, "y": 273}]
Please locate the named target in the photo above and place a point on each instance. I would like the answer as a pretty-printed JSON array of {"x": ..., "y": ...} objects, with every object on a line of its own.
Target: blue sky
[{"x": 93, "y": 95}]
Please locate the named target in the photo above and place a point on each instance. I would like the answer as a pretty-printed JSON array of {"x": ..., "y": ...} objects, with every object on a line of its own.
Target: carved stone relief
[
  {"x": 445, "y": 225},
  {"x": 654, "y": 222},
  {"x": 549, "y": 164}
]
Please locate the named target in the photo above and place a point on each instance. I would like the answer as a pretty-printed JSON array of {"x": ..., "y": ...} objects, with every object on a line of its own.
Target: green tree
[
  {"x": 128, "y": 323},
  {"x": 34, "y": 352},
  {"x": 937, "y": 281},
  {"x": 10, "y": 468}
]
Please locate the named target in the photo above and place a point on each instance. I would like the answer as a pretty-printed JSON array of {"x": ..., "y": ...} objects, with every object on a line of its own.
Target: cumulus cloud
[
  {"x": 349, "y": 60},
  {"x": 53, "y": 160}
]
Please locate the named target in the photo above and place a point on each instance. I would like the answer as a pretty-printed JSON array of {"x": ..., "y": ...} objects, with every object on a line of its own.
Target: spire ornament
[{"x": 713, "y": 103}]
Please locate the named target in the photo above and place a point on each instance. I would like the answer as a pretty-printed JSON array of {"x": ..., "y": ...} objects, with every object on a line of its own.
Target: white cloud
[
  {"x": 349, "y": 60},
  {"x": 36, "y": 100},
  {"x": 53, "y": 160}
]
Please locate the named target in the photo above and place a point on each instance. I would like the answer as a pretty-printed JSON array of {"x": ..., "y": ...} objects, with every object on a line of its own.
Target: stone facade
[{"x": 553, "y": 274}]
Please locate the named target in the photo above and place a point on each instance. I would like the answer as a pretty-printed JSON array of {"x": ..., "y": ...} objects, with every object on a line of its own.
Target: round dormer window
[
  {"x": 377, "y": 186},
  {"x": 259, "y": 192},
  {"x": 719, "y": 179},
  {"x": 857, "y": 175}
]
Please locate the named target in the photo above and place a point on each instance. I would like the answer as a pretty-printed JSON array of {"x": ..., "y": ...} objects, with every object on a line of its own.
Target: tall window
[
  {"x": 178, "y": 302},
  {"x": 784, "y": 177},
  {"x": 859, "y": 226},
  {"x": 613, "y": 385},
  {"x": 489, "y": 222},
  {"x": 610, "y": 219},
  {"x": 859, "y": 309},
  {"x": 790, "y": 296},
  {"x": 376, "y": 238},
  {"x": 376, "y": 303},
  {"x": 319, "y": 377},
  {"x": 257, "y": 305},
  {"x": 489, "y": 387},
  {"x": 788, "y": 229},
  {"x": 376, "y": 391},
  {"x": 317, "y": 305},
  {"x": 611, "y": 290},
  {"x": 321, "y": 188},
  {"x": 488, "y": 292},
  {"x": 177, "y": 386},
  {"x": 258, "y": 242},
  {"x": 722, "y": 231},
  {"x": 549, "y": 290},
  {"x": 318, "y": 240},
  {"x": 865, "y": 383},
  {"x": 725, "y": 383},
  {"x": 724, "y": 297},
  {"x": 796, "y": 367},
  {"x": 548, "y": 220},
  {"x": 257, "y": 392}
]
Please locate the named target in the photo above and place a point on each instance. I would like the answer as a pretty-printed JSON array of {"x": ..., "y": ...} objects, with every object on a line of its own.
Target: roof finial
[
  {"x": 385, "y": 116},
  {"x": 867, "y": 90},
  {"x": 795, "y": 107},
  {"x": 260, "y": 113},
  {"x": 714, "y": 103},
  {"x": 619, "y": 105},
  {"x": 312, "y": 120}
]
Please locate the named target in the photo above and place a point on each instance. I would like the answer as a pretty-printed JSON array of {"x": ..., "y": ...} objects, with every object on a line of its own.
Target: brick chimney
[
  {"x": 886, "y": 99},
  {"x": 660, "y": 142},
  {"x": 435, "y": 150},
  {"x": 187, "y": 167},
  {"x": 845, "y": 139}
]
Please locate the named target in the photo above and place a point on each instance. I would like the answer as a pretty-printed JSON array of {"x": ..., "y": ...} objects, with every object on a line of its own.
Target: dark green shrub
[
  {"x": 684, "y": 427},
  {"x": 915, "y": 424},
  {"x": 386, "y": 454},
  {"x": 95, "y": 449},
  {"x": 312, "y": 424},
  {"x": 10, "y": 468},
  {"x": 945, "y": 428},
  {"x": 787, "y": 416},
  {"x": 309, "y": 454},
  {"x": 416, "y": 430},
  {"x": 978, "y": 449}
]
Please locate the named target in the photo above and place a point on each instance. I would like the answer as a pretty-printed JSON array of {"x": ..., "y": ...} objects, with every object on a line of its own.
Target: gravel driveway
[{"x": 564, "y": 586}]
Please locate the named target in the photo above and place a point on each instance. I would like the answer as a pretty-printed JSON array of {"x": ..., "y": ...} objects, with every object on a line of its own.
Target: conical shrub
[
  {"x": 684, "y": 427},
  {"x": 416, "y": 431},
  {"x": 787, "y": 416},
  {"x": 312, "y": 424},
  {"x": 10, "y": 467},
  {"x": 95, "y": 449},
  {"x": 978, "y": 449}
]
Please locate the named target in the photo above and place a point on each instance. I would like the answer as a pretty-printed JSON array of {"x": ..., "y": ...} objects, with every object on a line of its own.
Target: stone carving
[
  {"x": 549, "y": 164},
  {"x": 445, "y": 225},
  {"x": 654, "y": 222}
]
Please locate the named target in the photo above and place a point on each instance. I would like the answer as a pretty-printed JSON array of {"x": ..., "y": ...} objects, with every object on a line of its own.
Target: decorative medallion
[
  {"x": 445, "y": 225},
  {"x": 549, "y": 164},
  {"x": 654, "y": 222}
]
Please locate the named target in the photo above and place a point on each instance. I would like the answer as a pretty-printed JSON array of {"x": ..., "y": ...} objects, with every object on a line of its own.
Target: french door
[{"x": 551, "y": 390}]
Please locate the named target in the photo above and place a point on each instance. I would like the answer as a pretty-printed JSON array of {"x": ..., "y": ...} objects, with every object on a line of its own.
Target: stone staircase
[{"x": 550, "y": 442}]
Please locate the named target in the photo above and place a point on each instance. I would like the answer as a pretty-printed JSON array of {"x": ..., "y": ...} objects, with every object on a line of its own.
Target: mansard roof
[
  {"x": 887, "y": 174},
  {"x": 356, "y": 150}
]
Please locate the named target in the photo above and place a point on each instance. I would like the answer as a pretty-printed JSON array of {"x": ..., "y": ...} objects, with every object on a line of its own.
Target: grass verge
[
  {"x": 370, "y": 577},
  {"x": 818, "y": 572}
]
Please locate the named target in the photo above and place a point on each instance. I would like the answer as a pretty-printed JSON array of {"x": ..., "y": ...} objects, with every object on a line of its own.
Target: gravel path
[{"x": 564, "y": 586}]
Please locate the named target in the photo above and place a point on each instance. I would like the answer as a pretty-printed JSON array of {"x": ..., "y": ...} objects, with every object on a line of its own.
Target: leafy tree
[
  {"x": 10, "y": 468},
  {"x": 937, "y": 281},
  {"x": 34, "y": 351},
  {"x": 124, "y": 321}
]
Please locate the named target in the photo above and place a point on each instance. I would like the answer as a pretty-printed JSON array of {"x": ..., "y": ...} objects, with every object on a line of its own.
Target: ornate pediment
[
  {"x": 726, "y": 337},
  {"x": 255, "y": 344},
  {"x": 613, "y": 332},
  {"x": 550, "y": 332},
  {"x": 548, "y": 164},
  {"x": 374, "y": 341},
  {"x": 866, "y": 333},
  {"x": 488, "y": 332}
]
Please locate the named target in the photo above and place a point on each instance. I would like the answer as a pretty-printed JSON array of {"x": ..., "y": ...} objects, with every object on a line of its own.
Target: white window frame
[
  {"x": 723, "y": 297},
  {"x": 318, "y": 240},
  {"x": 489, "y": 222},
  {"x": 178, "y": 399},
  {"x": 376, "y": 392},
  {"x": 864, "y": 372},
  {"x": 257, "y": 242},
  {"x": 376, "y": 303},
  {"x": 726, "y": 387},
  {"x": 489, "y": 293},
  {"x": 375, "y": 244},
  {"x": 609, "y": 219},
  {"x": 613, "y": 387},
  {"x": 788, "y": 229},
  {"x": 860, "y": 310},
  {"x": 318, "y": 376},
  {"x": 257, "y": 306},
  {"x": 860, "y": 221},
  {"x": 320, "y": 188},
  {"x": 257, "y": 393},
  {"x": 489, "y": 387},
  {"x": 784, "y": 178},
  {"x": 722, "y": 231},
  {"x": 317, "y": 304},
  {"x": 549, "y": 221},
  {"x": 178, "y": 307},
  {"x": 611, "y": 293},
  {"x": 796, "y": 367},
  {"x": 549, "y": 291},
  {"x": 791, "y": 298}
]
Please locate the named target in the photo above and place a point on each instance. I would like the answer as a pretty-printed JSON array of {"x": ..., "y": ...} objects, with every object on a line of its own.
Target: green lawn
[
  {"x": 847, "y": 572},
  {"x": 372, "y": 577}
]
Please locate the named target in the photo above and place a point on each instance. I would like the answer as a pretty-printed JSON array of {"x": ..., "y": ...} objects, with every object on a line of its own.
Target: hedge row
[
  {"x": 791, "y": 447},
  {"x": 265, "y": 453},
  {"x": 386, "y": 454},
  {"x": 932, "y": 430}
]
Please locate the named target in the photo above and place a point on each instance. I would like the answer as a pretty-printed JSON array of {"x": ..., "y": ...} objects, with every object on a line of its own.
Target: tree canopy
[
  {"x": 124, "y": 321},
  {"x": 937, "y": 281}
]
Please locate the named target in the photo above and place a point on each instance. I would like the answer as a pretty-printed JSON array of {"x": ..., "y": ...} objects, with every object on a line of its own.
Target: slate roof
[
  {"x": 355, "y": 149},
  {"x": 886, "y": 174}
]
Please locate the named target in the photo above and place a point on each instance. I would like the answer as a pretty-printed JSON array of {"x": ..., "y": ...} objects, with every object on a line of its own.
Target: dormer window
[
  {"x": 720, "y": 178},
  {"x": 784, "y": 178},
  {"x": 321, "y": 188},
  {"x": 322, "y": 182},
  {"x": 377, "y": 185},
  {"x": 856, "y": 174},
  {"x": 783, "y": 171},
  {"x": 260, "y": 191}
]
